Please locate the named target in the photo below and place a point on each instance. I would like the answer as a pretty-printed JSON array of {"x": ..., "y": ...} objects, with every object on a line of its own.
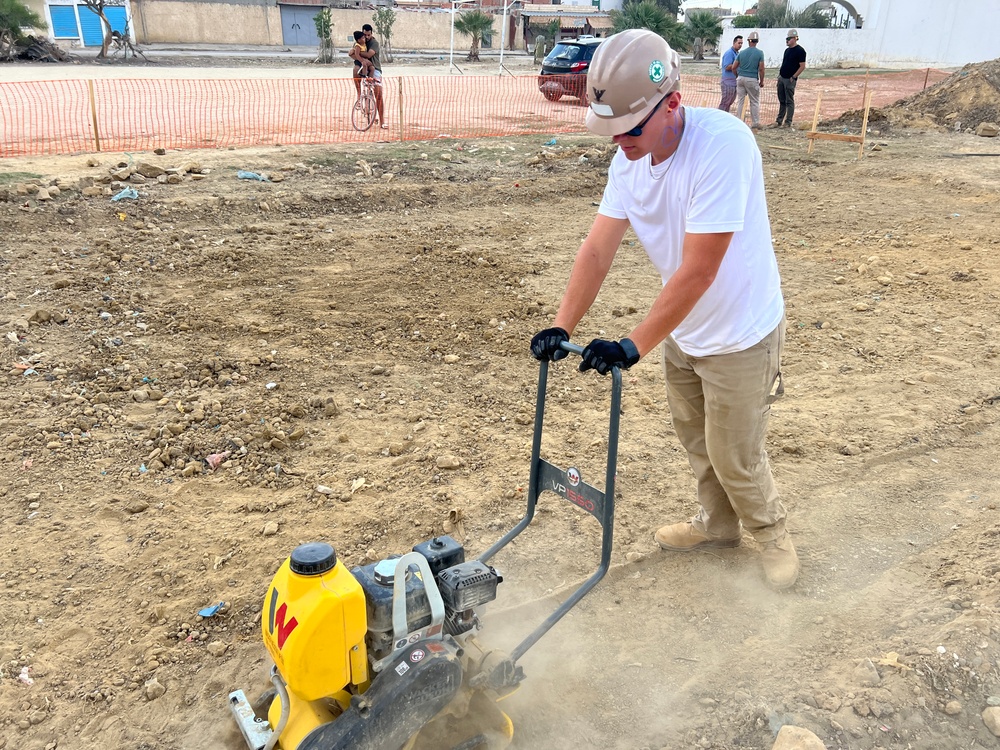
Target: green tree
[
  {"x": 646, "y": 14},
  {"x": 704, "y": 26},
  {"x": 809, "y": 18},
  {"x": 14, "y": 15},
  {"x": 774, "y": 14},
  {"x": 474, "y": 23},
  {"x": 670, "y": 6},
  {"x": 98, "y": 6},
  {"x": 324, "y": 27},
  {"x": 383, "y": 20},
  {"x": 552, "y": 31}
]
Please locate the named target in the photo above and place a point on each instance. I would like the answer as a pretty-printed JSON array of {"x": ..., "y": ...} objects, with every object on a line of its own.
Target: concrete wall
[
  {"x": 166, "y": 21},
  {"x": 174, "y": 21},
  {"x": 39, "y": 7},
  {"x": 897, "y": 34},
  {"x": 414, "y": 29}
]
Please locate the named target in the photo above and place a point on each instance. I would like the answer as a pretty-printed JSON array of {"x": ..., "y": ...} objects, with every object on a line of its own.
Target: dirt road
[{"x": 343, "y": 325}]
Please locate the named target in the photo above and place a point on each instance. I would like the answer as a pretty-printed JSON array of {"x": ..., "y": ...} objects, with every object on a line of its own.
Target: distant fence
[{"x": 63, "y": 117}]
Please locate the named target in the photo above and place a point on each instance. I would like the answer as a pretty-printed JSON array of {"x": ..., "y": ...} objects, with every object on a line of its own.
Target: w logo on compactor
[{"x": 276, "y": 620}]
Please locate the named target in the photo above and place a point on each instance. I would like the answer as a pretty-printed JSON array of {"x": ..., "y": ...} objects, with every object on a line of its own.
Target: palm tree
[
  {"x": 646, "y": 14},
  {"x": 474, "y": 23},
  {"x": 703, "y": 26}
]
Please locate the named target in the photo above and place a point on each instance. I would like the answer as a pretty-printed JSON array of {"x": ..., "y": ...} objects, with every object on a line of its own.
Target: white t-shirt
[{"x": 713, "y": 183}]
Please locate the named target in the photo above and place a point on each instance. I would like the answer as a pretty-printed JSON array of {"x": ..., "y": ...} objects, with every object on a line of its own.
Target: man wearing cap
[
  {"x": 728, "y": 65},
  {"x": 750, "y": 79},
  {"x": 792, "y": 65},
  {"x": 690, "y": 183}
]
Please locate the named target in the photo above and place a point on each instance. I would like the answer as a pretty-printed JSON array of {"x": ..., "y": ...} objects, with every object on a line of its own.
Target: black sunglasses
[
  {"x": 789, "y": 38},
  {"x": 637, "y": 130}
]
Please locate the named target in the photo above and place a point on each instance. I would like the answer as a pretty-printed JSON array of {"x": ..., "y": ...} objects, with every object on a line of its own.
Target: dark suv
[{"x": 564, "y": 69}]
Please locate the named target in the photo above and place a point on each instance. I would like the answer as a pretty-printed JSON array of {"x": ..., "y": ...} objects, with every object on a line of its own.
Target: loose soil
[{"x": 331, "y": 340}]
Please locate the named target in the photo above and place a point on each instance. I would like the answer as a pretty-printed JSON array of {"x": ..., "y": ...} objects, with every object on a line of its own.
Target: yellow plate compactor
[{"x": 386, "y": 656}]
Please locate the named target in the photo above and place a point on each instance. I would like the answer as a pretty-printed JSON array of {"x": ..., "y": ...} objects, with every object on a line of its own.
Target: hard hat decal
[{"x": 657, "y": 72}]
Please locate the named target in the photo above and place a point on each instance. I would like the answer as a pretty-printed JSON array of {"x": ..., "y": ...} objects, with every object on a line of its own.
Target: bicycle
[{"x": 365, "y": 108}]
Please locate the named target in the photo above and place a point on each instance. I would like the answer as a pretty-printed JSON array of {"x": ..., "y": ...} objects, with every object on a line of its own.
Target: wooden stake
[
  {"x": 819, "y": 98},
  {"x": 93, "y": 114},
  {"x": 926, "y": 76},
  {"x": 400, "y": 79},
  {"x": 864, "y": 126},
  {"x": 864, "y": 92}
]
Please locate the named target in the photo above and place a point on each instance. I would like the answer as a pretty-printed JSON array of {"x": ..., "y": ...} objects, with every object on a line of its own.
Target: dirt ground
[{"x": 330, "y": 341}]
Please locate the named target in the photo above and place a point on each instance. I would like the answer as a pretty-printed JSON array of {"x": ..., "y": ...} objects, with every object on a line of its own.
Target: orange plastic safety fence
[{"x": 59, "y": 117}]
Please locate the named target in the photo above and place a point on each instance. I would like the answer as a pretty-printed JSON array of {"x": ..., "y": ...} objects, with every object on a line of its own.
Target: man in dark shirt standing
[
  {"x": 372, "y": 43},
  {"x": 792, "y": 65}
]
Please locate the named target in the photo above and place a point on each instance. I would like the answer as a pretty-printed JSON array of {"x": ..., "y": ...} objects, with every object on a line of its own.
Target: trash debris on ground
[
  {"x": 129, "y": 192},
  {"x": 215, "y": 460},
  {"x": 211, "y": 611},
  {"x": 244, "y": 174}
]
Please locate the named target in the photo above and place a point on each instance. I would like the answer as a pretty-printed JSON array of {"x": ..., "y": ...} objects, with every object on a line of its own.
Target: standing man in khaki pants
[
  {"x": 750, "y": 79},
  {"x": 690, "y": 184}
]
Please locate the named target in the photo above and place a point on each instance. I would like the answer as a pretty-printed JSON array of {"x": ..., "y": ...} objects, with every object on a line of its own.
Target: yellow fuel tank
[{"x": 314, "y": 623}]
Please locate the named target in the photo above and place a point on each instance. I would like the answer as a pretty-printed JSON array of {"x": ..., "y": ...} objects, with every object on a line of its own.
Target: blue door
[
  {"x": 91, "y": 26},
  {"x": 297, "y": 25},
  {"x": 64, "y": 22}
]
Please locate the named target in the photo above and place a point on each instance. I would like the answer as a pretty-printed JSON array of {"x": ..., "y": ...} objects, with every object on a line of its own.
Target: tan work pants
[
  {"x": 748, "y": 88},
  {"x": 720, "y": 406}
]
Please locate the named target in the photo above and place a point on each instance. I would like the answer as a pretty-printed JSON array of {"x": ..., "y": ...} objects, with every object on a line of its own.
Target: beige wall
[
  {"x": 39, "y": 7},
  {"x": 161, "y": 21},
  {"x": 413, "y": 29}
]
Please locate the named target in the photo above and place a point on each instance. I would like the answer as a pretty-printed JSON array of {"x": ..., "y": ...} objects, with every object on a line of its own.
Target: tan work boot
[
  {"x": 684, "y": 537},
  {"x": 781, "y": 564}
]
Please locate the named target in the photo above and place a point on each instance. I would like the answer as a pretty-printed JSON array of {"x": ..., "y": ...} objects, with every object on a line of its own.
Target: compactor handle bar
[{"x": 545, "y": 476}]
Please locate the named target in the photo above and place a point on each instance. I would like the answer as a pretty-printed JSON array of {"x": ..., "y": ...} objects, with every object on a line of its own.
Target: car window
[{"x": 566, "y": 52}]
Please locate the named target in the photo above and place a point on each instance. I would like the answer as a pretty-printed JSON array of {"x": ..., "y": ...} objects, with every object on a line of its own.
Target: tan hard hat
[
  {"x": 792, "y": 33},
  {"x": 629, "y": 75},
  {"x": 753, "y": 35}
]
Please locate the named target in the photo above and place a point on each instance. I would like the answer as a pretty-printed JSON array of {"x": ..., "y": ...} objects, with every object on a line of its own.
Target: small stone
[
  {"x": 43, "y": 194},
  {"x": 216, "y": 648},
  {"x": 634, "y": 557},
  {"x": 450, "y": 359},
  {"x": 136, "y": 506},
  {"x": 797, "y": 738},
  {"x": 953, "y": 708},
  {"x": 991, "y": 718},
  {"x": 93, "y": 161},
  {"x": 865, "y": 673},
  {"x": 448, "y": 461},
  {"x": 270, "y": 528},
  {"x": 988, "y": 130},
  {"x": 322, "y": 489},
  {"x": 150, "y": 171},
  {"x": 153, "y": 689},
  {"x": 850, "y": 450},
  {"x": 159, "y": 151}
]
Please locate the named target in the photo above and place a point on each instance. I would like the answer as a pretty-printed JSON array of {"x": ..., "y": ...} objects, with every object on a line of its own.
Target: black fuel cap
[{"x": 313, "y": 559}]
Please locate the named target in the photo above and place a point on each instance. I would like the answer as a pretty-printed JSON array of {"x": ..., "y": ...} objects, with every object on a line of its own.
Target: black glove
[
  {"x": 545, "y": 344},
  {"x": 602, "y": 355}
]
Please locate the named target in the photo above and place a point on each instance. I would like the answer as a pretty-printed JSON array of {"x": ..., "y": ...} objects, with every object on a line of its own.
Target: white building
[{"x": 892, "y": 33}]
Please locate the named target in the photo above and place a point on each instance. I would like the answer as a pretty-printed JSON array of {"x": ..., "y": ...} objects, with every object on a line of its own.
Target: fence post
[
  {"x": 926, "y": 76},
  {"x": 93, "y": 114},
  {"x": 400, "y": 109}
]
